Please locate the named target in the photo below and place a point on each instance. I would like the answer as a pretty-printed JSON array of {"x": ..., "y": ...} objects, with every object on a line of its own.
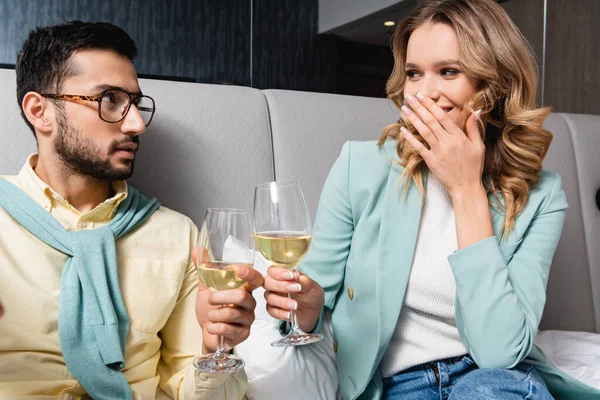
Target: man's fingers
[
  {"x": 231, "y": 315},
  {"x": 235, "y": 332},
  {"x": 236, "y": 297},
  {"x": 253, "y": 278}
]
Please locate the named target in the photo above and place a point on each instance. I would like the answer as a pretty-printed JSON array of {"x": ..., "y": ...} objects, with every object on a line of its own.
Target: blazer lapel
[{"x": 400, "y": 219}]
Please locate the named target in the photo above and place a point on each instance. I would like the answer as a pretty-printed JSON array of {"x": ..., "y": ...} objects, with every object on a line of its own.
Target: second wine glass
[
  {"x": 282, "y": 226},
  {"x": 226, "y": 242}
]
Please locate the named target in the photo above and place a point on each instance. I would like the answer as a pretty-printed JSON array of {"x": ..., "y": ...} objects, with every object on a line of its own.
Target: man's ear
[{"x": 38, "y": 112}]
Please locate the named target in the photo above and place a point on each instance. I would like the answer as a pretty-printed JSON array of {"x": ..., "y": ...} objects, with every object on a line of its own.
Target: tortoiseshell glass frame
[{"x": 98, "y": 99}]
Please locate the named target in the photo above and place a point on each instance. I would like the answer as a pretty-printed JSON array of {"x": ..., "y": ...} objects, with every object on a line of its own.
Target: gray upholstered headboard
[{"x": 208, "y": 146}]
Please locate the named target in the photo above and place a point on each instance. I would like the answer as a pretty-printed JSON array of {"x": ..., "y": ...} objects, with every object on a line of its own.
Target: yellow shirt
[{"x": 158, "y": 282}]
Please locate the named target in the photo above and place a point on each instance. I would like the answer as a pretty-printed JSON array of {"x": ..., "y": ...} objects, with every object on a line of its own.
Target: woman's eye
[
  {"x": 449, "y": 72},
  {"x": 411, "y": 74}
]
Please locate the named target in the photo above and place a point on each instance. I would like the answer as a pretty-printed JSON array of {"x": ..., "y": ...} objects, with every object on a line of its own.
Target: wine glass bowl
[{"x": 283, "y": 249}]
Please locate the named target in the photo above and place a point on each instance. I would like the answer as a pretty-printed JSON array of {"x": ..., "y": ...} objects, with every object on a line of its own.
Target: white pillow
[
  {"x": 576, "y": 353},
  {"x": 293, "y": 373}
]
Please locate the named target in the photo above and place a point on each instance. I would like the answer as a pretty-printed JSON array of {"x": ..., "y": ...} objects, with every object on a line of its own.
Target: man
[{"x": 97, "y": 283}]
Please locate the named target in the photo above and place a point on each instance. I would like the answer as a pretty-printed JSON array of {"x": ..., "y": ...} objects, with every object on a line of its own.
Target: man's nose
[{"x": 133, "y": 124}]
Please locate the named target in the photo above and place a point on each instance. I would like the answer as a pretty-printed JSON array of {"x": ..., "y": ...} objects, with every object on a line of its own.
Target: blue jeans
[{"x": 460, "y": 378}]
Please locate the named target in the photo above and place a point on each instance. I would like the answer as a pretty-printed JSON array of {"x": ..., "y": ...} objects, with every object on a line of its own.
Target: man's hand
[
  {"x": 309, "y": 296},
  {"x": 228, "y": 313}
]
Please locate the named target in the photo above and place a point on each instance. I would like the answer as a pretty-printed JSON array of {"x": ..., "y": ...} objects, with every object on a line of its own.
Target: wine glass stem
[
  {"x": 293, "y": 319},
  {"x": 220, "y": 353},
  {"x": 295, "y": 328}
]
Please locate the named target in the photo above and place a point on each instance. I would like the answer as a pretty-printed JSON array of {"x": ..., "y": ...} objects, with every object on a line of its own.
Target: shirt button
[
  {"x": 350, "y": 293},
  {"x": 83, "y": 225}
]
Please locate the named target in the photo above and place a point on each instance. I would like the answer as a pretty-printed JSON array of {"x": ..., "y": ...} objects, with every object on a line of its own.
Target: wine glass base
[
  {"x": 297, "y": 340},
  {"x": 226, "y": 365}
]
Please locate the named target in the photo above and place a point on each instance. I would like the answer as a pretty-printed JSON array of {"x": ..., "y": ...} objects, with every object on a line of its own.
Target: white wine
[
  {"x": 283, "y": 249},
  {"x": 220, "y": 275}
]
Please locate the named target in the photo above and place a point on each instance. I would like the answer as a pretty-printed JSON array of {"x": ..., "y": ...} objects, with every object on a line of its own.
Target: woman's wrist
[
  {"x": 468, "y": 194},
  {"x": 472, "y": 215}
]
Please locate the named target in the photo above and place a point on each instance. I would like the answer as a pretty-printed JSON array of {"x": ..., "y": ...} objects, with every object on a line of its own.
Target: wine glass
[
  {"x": 282, "y": 232},
  {"x": 226, "y": 242}
]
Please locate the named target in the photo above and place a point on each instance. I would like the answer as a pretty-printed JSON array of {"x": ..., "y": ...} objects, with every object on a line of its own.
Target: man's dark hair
[{"x": 44, "y": 60}]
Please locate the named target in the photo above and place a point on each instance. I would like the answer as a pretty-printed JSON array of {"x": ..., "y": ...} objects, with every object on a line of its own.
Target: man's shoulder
[
  {"x": 165, "y": 234},
  {"x": 165, "y": 216},
  {"x": 14, "y": 179}
]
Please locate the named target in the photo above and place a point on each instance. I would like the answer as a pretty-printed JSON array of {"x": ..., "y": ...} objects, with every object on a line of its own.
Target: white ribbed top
[{"x": 426, "y": 329}]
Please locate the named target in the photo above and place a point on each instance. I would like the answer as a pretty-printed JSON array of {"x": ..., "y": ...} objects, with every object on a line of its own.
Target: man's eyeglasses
[{"x": 114, "y": 104}]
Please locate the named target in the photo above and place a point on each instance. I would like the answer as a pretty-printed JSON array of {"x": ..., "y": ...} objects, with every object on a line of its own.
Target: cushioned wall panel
[
  {"x": 569, "y": 304},
  {"x": 208, "y": 146},
  {"x": 309, "y": 130},
  {"x": 16, "y": 140}
]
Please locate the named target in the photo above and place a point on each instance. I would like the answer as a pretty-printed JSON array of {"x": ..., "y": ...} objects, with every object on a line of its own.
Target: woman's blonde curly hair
[{"x": 493, "y": 51}]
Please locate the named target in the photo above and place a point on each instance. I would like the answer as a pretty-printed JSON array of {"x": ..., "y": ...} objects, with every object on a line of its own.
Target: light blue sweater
[{"x": 92, "y": 320}]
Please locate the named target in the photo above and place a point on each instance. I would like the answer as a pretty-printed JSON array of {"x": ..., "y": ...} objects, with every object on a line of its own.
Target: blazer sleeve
[
  {"x": 332, "y": 233},
  {"x": 499, "y": 305}
]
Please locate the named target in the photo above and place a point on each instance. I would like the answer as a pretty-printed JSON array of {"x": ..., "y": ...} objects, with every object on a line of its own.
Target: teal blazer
[{"x": 362, "y": 250}]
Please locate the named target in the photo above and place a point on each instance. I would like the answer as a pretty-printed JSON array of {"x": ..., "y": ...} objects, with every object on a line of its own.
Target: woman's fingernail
[
  {"x": 288, "y": 275},
  {"x": 411, "y": 99},
  {"x": 292, "y": 305},
  {"x": 477, "y": 113},
  {"x": 288, "y": 315},
  {"x": 406, "y": 111},
  {"x": 421, "y": 97},
  {"x": 404, "y": 131},
  {"x": 294, "y": 287}
]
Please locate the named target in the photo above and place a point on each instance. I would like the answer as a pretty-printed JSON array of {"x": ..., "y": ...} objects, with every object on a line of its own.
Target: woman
[{"x": 432, "y": 247}]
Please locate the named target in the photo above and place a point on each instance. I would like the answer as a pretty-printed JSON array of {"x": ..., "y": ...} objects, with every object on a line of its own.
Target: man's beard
[{"x": 83, "y": 156}]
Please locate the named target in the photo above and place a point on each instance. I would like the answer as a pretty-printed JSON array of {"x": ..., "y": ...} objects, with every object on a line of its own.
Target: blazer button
[
  {"x": 350, "y": 293},
  {"x": 335, "y": 346}
]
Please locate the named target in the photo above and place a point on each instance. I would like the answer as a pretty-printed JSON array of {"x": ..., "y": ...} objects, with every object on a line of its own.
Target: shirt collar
[{"x": 44, "y": 195}]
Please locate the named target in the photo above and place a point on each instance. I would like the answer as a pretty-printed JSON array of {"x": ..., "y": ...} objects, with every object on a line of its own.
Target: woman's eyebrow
[{"x": 437, "y": 64}]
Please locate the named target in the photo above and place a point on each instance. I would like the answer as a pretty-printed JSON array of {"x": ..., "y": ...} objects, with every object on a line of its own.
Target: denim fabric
[{"x": 460, "y": 378}]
